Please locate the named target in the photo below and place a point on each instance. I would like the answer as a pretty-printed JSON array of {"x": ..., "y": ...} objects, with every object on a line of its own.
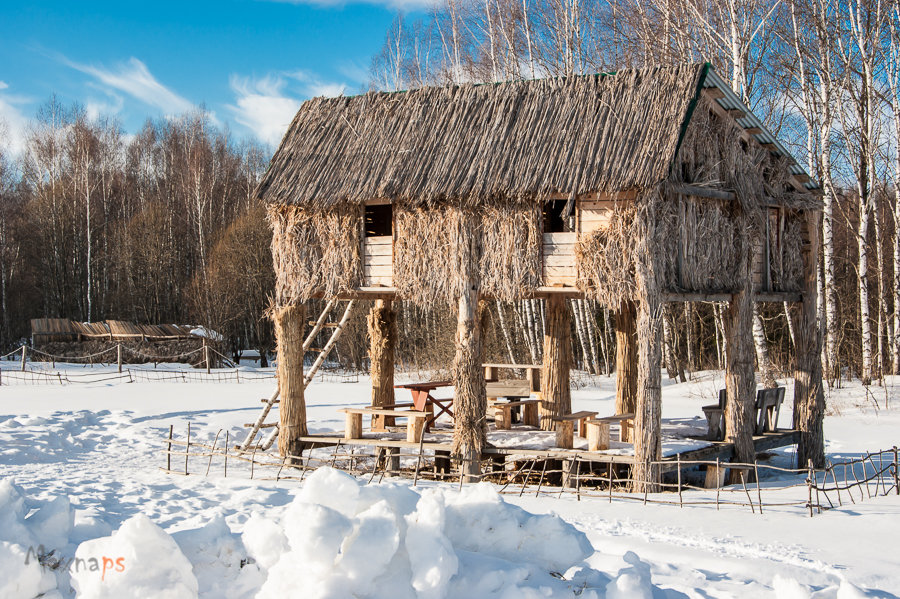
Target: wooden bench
[
  {"x": 503, "y": 413},
  {"x": 623, "y": 420},
  {"x": 564, "y": 426},
  {"x": 414, "y": 425}
]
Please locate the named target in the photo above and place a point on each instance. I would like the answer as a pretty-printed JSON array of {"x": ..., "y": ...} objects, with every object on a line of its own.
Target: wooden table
[{"x": 423, "y": 401}]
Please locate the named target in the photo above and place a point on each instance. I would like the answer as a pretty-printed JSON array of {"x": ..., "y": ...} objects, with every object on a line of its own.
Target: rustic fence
[
  {"x": 20, "y": 370},
  {"x": 547, "y": 474}
]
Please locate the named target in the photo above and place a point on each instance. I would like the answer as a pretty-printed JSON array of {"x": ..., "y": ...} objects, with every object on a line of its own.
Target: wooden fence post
[
  {"x": 809, "y": 484},
  {"x": 187, "y": 449},
  {"x": 896, "y": 474},
  {"x": 23, "y": 357},
  {"x": 169, "y": 450},
  {"x": 678, "y": 461},
  {"x": 206, "y": 354},
  {"x": 119, "y": 356}
]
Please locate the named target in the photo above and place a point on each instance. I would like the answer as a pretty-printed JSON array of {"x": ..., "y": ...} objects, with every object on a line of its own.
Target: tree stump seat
[
  {"x": 415, "y": 423},
  {"x": 624, "y": 421},
  {"x": 597, "y": 434},
  {"x": 565, "y": 426},
  {"x": 503, "y": 413}
]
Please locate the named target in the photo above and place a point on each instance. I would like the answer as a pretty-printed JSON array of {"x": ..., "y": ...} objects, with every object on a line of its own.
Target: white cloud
[
  {"x": 97, "y": 108},
  {"x": 262, "y": 107},
  {"x": 266, "y": 106},
  {"x": 135, "y": 79},
  {"x": 12, "y": 121}
]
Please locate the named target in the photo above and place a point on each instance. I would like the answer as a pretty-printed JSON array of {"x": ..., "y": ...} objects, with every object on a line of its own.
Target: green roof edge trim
[{"x": 689, "y": 114}]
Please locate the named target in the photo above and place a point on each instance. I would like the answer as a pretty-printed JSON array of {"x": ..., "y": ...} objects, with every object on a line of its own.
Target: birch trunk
[
  {"x": 766, "y": 370},
  {"x": 580, "y": 333},
  {"x": 505, "y": 330},
  {"x": 863, "y": 288}
]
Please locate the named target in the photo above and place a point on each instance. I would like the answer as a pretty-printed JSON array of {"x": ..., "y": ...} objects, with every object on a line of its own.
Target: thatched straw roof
[{"x": 470, "y": 143}]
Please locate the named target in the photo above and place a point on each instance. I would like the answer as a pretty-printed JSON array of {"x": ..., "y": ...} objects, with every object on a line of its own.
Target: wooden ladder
[{"x": 323, "y": 354}]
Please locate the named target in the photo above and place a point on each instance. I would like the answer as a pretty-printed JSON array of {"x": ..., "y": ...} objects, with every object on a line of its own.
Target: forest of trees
[
  {"x": 159, "y": 227},
  {"x": 162, "y": 227}
]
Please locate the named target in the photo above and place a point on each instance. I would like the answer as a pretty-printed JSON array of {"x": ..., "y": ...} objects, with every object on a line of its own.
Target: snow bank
[
  {"x": 138, "y": 560},
  {"x": 30, "y": 531},
  {"x": 344, "y": 539}
]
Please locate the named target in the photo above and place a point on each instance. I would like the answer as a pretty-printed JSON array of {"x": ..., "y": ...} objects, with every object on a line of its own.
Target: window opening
[
  {"x": 555, "y": 219},
  {"x": 378, "y": 221}
]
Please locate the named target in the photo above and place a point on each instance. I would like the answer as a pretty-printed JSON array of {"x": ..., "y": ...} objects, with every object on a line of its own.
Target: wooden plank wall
[
  {"x": 559, "y": 259},
  {"x": 378, "y": 261}
]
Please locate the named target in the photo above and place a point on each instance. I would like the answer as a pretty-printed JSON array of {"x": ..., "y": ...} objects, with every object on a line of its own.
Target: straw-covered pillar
[
  {"x": 740, "y": 353},
  {"x": 382, "y": 323},
  {"x": 809, "y": 398},
  {"x": 289, "y": 325},
  {"x": 626, "y": 361},
  {"x": 470, "y": 401},
  {"x": 557, "y": 396},
  {"x": 648, "y": 400}
]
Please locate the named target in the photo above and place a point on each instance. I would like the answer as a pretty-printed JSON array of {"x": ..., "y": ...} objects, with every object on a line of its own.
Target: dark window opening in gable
[
  {"x": 555, "y": 218},
  {"x": 378, "y": 221}
]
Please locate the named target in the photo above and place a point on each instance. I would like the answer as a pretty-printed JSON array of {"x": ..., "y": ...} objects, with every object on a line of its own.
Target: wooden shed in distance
[{"x": 634, "y": 188}]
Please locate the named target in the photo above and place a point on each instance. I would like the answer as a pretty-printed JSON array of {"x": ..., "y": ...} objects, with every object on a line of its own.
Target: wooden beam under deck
[{"x": 721, "y": 450}]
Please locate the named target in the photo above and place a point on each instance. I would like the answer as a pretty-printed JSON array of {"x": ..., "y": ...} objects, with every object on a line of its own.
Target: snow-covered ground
[{"x": 80, "y": 474}]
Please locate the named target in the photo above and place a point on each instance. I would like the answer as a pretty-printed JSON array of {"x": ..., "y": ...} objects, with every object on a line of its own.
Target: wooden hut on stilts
[{"x": 635, "y": 189}]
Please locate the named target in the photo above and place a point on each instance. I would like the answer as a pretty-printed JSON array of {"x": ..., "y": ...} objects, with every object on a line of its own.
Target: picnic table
[{"x": 424, "y": 401}]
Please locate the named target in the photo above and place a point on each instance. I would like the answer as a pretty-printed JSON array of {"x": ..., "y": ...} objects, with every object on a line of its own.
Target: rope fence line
[{"x": 548, "y": 475}]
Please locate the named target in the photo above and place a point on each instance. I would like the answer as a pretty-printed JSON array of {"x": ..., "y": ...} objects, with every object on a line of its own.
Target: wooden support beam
[
  {"x": 713, "y": 93},
  {"x": 382, "y": 324},
  {"x": 289, "y": 324},
  {"x": 778, "y": 297},
  {"x": 753, "y": 130},
  {"x": 736, "y": 113},
  {"x": 696, "y": 297},
  {"x": 555, "y": 388},
  {"x": 809, "y": 399},
  {"x": 703, "y": 192},
  {"x": 626, "y": 361}
]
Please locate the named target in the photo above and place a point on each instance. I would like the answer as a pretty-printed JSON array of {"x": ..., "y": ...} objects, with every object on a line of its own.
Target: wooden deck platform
[{"x": 722, "y": 451}]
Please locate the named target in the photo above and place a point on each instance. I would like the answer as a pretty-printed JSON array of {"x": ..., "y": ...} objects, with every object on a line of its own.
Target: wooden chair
[
  {"x": 715, "y": 418},
  {"x": 768, "y": 407}
]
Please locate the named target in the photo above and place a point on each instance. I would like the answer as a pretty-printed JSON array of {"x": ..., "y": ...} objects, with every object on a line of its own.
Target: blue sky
[{"x": 249, "y": 62}]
